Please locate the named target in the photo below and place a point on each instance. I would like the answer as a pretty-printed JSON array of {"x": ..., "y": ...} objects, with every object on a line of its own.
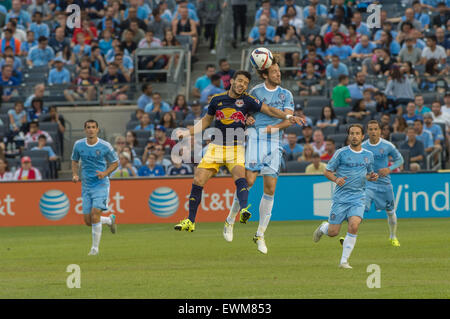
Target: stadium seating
[{"x": 296, "y": 167}]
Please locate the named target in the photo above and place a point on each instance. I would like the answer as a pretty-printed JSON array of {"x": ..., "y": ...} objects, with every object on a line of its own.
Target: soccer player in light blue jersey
[
  {"x": 263, "y": 152},
  {"x": 381, "y": 192},
  {"x": 349, "y": 168},
  {"x": 95, "y": 154}
]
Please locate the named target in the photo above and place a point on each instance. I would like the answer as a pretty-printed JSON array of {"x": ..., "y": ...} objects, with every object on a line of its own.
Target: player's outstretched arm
[
  {"x": 75, "y": 177},
  {"x": 200, "y": 126},
  {"x": 281, "y": 125},
  {"x": 274, "y": 112}
]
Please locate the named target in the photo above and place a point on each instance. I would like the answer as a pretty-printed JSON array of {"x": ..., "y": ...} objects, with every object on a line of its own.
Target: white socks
[
  {"x": 105, "y": 220},
  {"x": 324, "y": 228},
  {"x": 234, "y": 210},
  {"x": 265, "y": 212},
  {"x": 348, "y": 245},
  {"x": 392, "y": 221},
  {"x": 96, "y": 235}
]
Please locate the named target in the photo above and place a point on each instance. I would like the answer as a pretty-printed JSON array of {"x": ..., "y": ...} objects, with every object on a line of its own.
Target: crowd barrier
[{"x": 165, "y": 200}]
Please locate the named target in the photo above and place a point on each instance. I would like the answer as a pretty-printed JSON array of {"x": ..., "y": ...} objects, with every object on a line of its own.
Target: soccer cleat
[
  {"x": 113, "y": 225},
  {"x": 317, "y": 233},
  {"x": 186, "y": 225},
  {"x": 93, "y": 252},
  {"x": 244, "y": 215},
  {"x": 345, "y": 266},
  {"x": 259, "y": 240},
  {"x": 228, "y": 232},
  {"x": 394, "y": 241},
  {"x": 341, "y": 240}
]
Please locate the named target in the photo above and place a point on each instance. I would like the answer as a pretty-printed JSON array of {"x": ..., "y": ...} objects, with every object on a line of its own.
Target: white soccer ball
[{"x": 261, "y": 58}]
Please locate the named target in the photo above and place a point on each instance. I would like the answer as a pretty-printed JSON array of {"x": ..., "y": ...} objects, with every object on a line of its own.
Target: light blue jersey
[
  {"x": 381, "y": 192},
  {"x": 93, "y": 158},
  {"x": 264, "y": 151},
  {"x": 354, "y": 166}
]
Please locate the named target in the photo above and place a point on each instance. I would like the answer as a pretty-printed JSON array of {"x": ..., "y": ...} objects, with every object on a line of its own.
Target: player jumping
[
  {"x": 229, "y": 109},
  {"x": 349, "y": 168},
  {"x": 264, "y": 151},
  {"x": 94, "y": 154}
]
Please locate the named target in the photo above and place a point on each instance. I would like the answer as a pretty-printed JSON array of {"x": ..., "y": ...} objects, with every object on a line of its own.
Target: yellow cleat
[
  {"x": 186, "y": 225},
  {"x": 244, "y": 215},
  {"x": 394, "y": 241}
]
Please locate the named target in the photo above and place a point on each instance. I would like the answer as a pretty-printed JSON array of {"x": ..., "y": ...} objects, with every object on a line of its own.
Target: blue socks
[
  {"x": 194, "y": 200},
  {"x": 242, "y": 192}
]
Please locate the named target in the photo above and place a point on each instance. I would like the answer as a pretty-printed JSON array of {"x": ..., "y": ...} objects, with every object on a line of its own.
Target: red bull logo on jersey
[
  {"x": 228, "y": 116},
  {"x": 239, "y": 103}
]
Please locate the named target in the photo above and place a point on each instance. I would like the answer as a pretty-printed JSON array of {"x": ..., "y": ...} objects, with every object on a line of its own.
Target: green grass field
[{"x": 154, "y": 261}]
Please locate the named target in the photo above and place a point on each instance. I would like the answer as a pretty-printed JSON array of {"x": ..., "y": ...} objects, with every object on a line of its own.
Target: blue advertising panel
[{"x": 308, "y": 197}]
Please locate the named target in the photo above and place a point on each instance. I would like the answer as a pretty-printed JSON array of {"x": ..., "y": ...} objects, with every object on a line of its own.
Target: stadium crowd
[{"x": 346, "y": 72}]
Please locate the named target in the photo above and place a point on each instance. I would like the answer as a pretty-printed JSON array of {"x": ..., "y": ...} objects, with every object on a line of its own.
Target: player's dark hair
[
  {"x": 244, "y": 73},
  {"x": 90, "y": 121},
  {"x": 355, "y": 125},
  {"x": 266, "y": 71},
  {"x": 374, "y": 122}
]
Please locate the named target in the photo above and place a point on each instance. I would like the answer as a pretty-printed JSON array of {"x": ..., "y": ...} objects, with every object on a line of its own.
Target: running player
[
  {"x": 229, "y": 109},
  {"x": 349, "y": 168},
  {"x": 381, "y": 191},
  {"x": 264, "y": 151},
  {"x": 94, "y": 154}
]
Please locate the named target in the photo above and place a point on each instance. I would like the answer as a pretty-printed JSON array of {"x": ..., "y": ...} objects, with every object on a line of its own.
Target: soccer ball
[{"x": 261, "y": 58}]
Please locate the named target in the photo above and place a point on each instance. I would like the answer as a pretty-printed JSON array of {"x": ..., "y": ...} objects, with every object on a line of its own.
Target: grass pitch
[{"x": 154, "y": 261}]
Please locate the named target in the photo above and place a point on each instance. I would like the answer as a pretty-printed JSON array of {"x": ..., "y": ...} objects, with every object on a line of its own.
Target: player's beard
[
  {"x": 355, "y": 144},
  {"x": 234, "y": 89},
  {"x": 274, "y": 82}
]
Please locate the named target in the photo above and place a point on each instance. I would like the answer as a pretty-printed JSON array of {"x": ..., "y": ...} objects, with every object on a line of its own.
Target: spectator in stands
[
  {"x": 11, "y": 61},
  {"x": 408, "y": 17},
  {"x": 146, "y": 96},
  {"x": 292, "y": 149},
  {"x": 262, "y": 38},
  {"x": 411, "y": 74},
  {"x": 54, "y": 117},
  {"x": 168, "y": 120},
  {"x": 24, "y": 18},
  {"x": 98, "y": 62},
  {"x": 399, "y": 125},
  {"x": 410, "y": 53},
  {"x": 225, "y": 73},
  {"x": 281, "y": 29},
  {"x": 353, "y": 37},
  {"x": 42, "y": 145},
  {"x": 442, "y": 40},
  {"x": 59, "y": 74},
  {"x": 27, "y": 171},
  {"x": 318, "y": 142},
  {"x": 385, "y": 104},
  {"x": 341, "y": 94},
  {"x": 307, "y": 134},
  {"x": 105, "y": 42},
  {"x": 316, "y": 167},
  {"x": 158, "y": 25},
  {"x": 84, "y": 87},
  {"x": 17, "y": 33},
  {"x": 8, "y": 82},
  {"x": 41, "y": 54},
  {"x": 433, "y": 51},
  {"x": 320, "y": 46},
  {"x": 424, "y": 136},
  {"x": 310, "y": 30},
  {"x": 239, "y": 8},
  {"x": 151, "y": 168},
  {"x": 254, "y": 33},
  {"x": 339, "y": 4},
  {"x": 88, "y": 29},
  {"x": 180, "y": 104},
  {"x": 315, "y": 9},
  {"x": 17, "y": 118},
  {"x": 443, "y": 15},
  {"x": 202, "y": 82},
  {"x": 330, "y": 149},
  {"x": 81, "y": 48},
  {"x": 415, "y": 148},
  {"x": 420, "y": 105},
  {"x": 39, "y": 28},
  {"x": 39, "y": 90},
  {"x": 363, "y": 49},
  {"x": 385, "y": 132},
  {"x": 130, "y": 40},
  {"x": 398, "y": 86},
  {"x": 406, "y": 31},
  {"x": 145, "y": 124},
  {"x": 117, "y": 81},
  {"x": 298, "y": 111},
  {"x": 327, "y": 118},
  {"x": 356, "y": 89},
  {"x": 431, "y": 74},
  {"x": 307, "y": 154},
  {"x": 265, "y": 6},
  {"x": 119, "y": 144},
  {"x": 131, "y": 141},
  {"x": 134, "y": 159},
  {"x": 36, "y": 110},
  {"x": 124, "y": 64},
  {"x": 162, "y": 139},
  {"x": 294, "y": 20},
  {"x": 359, "y": 111},
  {"x": 9, "y": 41},
  {"x": 125, "y": 168},
  {"x": 30, "y": 42},
  {"x": 95, "y": 9},
  {"x": 209, "y": 13},
  {"x": 335, "y": 30},
  {"x": 42, "y": 7},
  {"x": 132, "y": 16},
  {"x": 439, "y": 117},
  {"x": 383, "y": 63},
  {"x": 5, "y": 174},
  {"x": 367, "y": 97},
  {"x": 67, "y": 55},
  {"x": 385, "y": 119},
  {"x": 434, "y": 129},
  {"x": 186, "y": 27},
  {"x": 179, "y": 168},
  {"x": 157, "y": 104},
  {"x": 339, "y": 49},
  {"x": 387, "y": 42},
  {"x": 411, "y": 114},
  {"x": 212, "y": 89},
  {"x": 196, "y": 113},
  {"x": 312, "y": 57},
  {"x": 336, "y": 68}
]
